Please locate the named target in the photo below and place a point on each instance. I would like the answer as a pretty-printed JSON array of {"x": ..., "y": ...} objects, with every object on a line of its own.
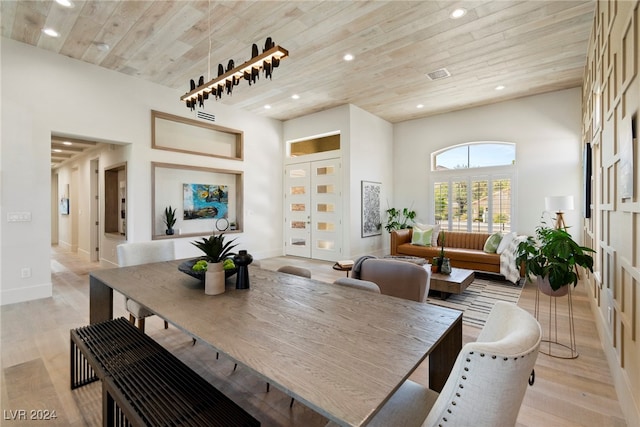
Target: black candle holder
[{"x": 242, "y": 260}]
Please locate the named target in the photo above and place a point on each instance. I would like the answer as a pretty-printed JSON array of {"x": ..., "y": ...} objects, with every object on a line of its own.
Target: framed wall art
[{"x": 371, "y": 223}]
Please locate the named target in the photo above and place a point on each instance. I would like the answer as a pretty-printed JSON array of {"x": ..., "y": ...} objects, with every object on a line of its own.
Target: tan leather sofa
[{"x": 466, "y": 250}]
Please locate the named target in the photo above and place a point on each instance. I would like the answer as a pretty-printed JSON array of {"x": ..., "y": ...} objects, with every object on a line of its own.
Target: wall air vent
[
  {"x": 441, "y": 73},
  {"x": 206, "y": 116}
]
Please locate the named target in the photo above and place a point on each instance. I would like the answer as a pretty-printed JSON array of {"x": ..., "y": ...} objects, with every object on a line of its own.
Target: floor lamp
[
  {"x": 551, "y": 346},
  {"x": 559, "y": 204}
]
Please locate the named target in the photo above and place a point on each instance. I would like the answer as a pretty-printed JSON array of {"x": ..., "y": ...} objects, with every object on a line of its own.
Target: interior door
[
  {"x": 313, "y": 210},
  {"x": 326, "y": 212},
  {"x": 297, "y": 219}
]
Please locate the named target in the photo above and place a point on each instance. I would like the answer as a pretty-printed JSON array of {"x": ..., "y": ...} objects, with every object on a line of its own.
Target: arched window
[{"x": 473, "y": 186}]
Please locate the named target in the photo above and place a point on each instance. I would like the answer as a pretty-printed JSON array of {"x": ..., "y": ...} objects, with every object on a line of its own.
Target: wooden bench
[{"x": 143, "y": 384}]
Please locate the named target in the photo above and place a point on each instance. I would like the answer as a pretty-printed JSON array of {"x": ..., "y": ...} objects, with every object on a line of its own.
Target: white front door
[{"x": 313, "y": 227}]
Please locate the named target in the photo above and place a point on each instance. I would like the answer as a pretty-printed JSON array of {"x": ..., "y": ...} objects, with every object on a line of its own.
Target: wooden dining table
[{"x": 342, "y": 352}]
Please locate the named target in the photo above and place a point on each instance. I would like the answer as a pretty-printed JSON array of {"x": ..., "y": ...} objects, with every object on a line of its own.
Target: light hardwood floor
[{"x": 35, "y": 361}]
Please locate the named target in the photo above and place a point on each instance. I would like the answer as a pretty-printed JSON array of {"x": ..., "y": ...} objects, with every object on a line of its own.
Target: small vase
[
  {"x": 242, "y": 260},
  {"x": 169, "y": 231},
  {"x": 446, "y": 266},
  {"x": 214, "y": 279},
  {"x": 545, "y": 287}
]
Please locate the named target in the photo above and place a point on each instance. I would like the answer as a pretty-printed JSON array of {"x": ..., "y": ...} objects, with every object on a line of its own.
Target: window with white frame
[{"x": 472, "y": 187}]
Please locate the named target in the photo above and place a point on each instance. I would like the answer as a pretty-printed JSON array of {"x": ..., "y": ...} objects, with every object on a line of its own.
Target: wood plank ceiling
[{"x": 529, "y": 47}]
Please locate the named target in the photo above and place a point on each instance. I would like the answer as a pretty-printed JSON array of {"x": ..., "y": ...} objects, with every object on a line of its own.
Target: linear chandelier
[{"x": 266, "y": 61}]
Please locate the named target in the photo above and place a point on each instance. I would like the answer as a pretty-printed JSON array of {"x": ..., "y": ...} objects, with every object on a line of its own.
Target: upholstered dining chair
[
  {"x": 363, "y": 285},
  {"x": 143, "y": 253},
  {"x": 296, "y": 271},
  {"x": 397, "y": 278},
  {"x": 486, "y": 385}
]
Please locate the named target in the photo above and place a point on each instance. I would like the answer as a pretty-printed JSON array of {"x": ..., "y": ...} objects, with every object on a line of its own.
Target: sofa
[{"x": 464, "y": 249}]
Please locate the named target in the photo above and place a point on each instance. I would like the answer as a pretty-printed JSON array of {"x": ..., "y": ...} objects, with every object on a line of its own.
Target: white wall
[
  {"x": 546, "y": 130},
  {"x": 45, "y": 93},
  {"x": 370, "y": 159}
]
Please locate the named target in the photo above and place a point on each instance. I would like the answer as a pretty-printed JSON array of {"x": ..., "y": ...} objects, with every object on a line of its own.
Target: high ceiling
[{"x": 528, "y": 47}]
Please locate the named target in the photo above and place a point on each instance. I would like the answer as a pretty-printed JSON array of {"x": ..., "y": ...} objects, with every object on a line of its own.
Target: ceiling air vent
[
  {"x": 206, "y": 116},
  {"x": 441, "y": 73}
]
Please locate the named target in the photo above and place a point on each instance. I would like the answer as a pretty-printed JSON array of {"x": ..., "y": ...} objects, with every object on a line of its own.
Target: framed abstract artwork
[{"x": 371, "y": 223}]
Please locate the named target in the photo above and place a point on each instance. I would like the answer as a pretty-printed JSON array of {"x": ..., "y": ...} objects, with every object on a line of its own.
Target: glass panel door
[
  {"x": 326, "y": 213},
  {"x": 297, "y": 213}
]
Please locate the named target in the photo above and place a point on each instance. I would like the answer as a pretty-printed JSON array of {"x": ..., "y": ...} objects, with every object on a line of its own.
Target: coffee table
[{"x": 443, "y": 285}]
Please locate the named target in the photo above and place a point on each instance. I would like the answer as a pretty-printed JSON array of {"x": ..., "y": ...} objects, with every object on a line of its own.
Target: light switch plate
[{"x": 18, "y": 216}]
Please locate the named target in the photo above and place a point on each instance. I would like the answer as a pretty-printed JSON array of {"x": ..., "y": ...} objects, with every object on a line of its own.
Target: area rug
[{"x": 478, "y": 299}]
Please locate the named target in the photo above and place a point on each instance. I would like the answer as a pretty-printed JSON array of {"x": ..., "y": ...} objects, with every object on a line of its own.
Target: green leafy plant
[
  {"x": 398, "y": 219},
  {"x": 169, "y": 217},
  {"x": 215, "y": 248},
  {"x": 553, "y": 253}
]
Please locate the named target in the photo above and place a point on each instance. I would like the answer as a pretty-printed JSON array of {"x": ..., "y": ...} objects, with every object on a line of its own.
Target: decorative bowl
[{"x": 187, "y": 267}]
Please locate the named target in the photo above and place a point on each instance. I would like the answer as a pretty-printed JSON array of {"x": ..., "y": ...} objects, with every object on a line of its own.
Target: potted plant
[
  {"x": 218, "y": 256},
  {"x": 443, "y": 263},
  {"x": 398, "y": 219},
  {"x": 169, "y": 219},
  {"x": 215, "y": 248},
  {"x": 553, "y": 257}
]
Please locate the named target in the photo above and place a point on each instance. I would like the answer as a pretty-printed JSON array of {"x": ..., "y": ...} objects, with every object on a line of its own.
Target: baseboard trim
[{"x": 30, "y": 293}]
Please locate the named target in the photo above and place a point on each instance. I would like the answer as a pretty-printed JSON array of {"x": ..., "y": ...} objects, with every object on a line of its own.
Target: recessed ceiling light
[
  {"x": 65, "y": 3},
  {"x": 500, "y": 87},
  {"x": 348, "y": 57},
  {"x": 267, "y": 107},
  {"x": 295, "y": 96},
  {"x": 102, "y": 47},
  {"x": 56, "y": 150},
  {"x": 67, "y": 143},
  {"x": 420, "y": 106},
  {"x": 458, "y": 13},
  {"x": 51, "y": 32}
]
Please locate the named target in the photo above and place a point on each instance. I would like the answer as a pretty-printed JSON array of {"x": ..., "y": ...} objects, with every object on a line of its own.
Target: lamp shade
[{"x": 558, "y": 203}]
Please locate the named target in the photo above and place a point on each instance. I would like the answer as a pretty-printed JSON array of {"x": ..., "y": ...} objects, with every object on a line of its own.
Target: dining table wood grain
[{"x": 340, "y": 351}]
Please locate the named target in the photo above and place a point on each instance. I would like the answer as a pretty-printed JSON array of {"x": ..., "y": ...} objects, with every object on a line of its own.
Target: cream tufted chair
[
  {"x": 487, "y": 383},
  {"x": 397, "y": 278},
  {"x": 143, "y": 253}
]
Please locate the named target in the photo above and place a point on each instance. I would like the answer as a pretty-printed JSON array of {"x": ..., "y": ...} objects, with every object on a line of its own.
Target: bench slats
[{"x": 143, "y": 383}]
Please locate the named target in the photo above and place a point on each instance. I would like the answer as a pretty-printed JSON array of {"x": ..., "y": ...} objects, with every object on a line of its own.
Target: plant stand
[{"x": 552, "y": 346}]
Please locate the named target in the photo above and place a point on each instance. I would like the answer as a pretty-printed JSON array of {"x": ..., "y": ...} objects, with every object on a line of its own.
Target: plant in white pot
[
  {"x": 217, "y": 254},
  {"x": 553, "y": 257}
]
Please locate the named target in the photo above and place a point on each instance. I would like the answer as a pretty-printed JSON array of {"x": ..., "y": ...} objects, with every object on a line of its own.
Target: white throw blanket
[{"x": 508, "y": 267}]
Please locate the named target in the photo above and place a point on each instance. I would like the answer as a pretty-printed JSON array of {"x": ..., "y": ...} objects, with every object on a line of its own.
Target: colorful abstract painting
[{"x": 205, "y": 201}]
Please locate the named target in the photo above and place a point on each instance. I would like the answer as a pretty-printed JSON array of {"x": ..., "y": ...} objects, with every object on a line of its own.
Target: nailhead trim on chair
[{"x": 464, "y": 377}]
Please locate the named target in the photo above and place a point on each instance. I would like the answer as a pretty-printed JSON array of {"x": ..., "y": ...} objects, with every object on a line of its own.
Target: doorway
[
  {"x": 313, "y": 209},
  {"x": 94, "y": 221}
]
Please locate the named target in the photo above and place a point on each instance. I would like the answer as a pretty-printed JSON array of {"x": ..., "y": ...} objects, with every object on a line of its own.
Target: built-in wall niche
[
  {"x": 175, "y": 133},
  {"x": 115, "y": 201},
  {"x": 206, "y": 200}
]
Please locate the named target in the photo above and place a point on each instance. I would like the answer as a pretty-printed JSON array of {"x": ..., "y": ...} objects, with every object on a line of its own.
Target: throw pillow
[
  {"x": 506, "y": 240},
  {"x": 491, "y": 245},
  {"x": 434, "y": 233},
  {"x": 421, "y": 237}
]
